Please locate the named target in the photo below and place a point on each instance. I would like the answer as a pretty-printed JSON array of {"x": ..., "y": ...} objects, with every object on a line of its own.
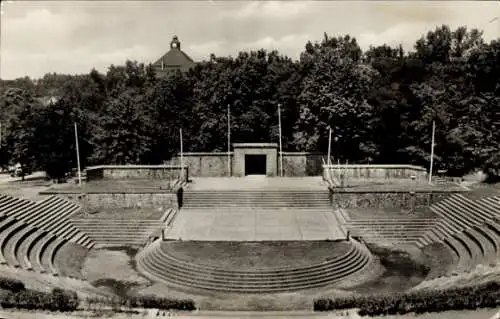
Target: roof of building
[
  {"x": 175, "y": 57},
  {"x": 48, "y": 100}
]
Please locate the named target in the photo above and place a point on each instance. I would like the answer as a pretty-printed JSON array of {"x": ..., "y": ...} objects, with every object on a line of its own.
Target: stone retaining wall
[
  {"x": 214, "y": 164},
  {"x": 386, "y": 200},
  {"x": 124, "y": 200},
  {"x": 375, "y": 171},
  {"x": 153, "y": 172}
]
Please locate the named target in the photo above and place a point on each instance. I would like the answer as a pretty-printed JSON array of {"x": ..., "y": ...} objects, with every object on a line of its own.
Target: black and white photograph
[{"x": 206, "y": 159}]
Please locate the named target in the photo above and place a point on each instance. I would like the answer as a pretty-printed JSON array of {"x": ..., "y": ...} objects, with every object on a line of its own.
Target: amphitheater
[{"x": 255, "y": 234}]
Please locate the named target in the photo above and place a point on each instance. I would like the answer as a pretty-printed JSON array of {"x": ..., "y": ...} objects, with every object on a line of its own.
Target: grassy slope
[
  {"x": 254, "y": 255},
  {"x": 70, "y": 258}
]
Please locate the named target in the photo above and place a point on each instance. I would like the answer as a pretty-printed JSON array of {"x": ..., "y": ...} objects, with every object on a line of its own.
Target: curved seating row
[
  {"x": 31, "y": 233},
  {"x": 469, "y": 228},
  {"x": 158, "y": 264}
]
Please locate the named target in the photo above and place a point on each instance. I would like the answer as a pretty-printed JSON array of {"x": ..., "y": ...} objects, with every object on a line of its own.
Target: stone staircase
[{"x": 257, "y": 198}]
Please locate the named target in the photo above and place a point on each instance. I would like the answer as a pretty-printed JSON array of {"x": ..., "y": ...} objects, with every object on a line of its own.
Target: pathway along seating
[
  {"x": 158, "y": 264},
  {"x": 469, "y": 228},
  {"x": 31, "y": 233}
]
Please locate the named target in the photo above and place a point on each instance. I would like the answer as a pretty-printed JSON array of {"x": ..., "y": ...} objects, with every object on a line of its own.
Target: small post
[
  {"x": 78, "y": 157},
  {"x": 0, "y": 135},
  {"x": 432, "y": 151},
  {"x": 228, "y": 141},
  {"x": 281, "y": 149},
  {"x": 182, "y": 157}
]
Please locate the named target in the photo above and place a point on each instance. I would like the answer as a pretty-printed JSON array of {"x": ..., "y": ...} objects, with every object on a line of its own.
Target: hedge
[
  {"x": 147, "y": 302},
  {"x": 12, "y": 285},
  {"x": 56, "y": 300},
  {"x": 481, "y": 296}
]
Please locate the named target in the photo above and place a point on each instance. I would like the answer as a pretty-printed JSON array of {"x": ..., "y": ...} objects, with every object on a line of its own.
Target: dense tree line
[{"x": 379, "y": 103}]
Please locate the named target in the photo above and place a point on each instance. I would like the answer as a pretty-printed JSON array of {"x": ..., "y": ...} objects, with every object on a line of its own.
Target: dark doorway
[{"x": 255, "y": 164}]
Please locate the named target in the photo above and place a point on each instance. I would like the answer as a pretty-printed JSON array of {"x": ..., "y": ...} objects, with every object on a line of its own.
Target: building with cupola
[{"x": 174, "y": 59}]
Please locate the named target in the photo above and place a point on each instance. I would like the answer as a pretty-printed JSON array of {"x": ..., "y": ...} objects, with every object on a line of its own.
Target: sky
[{"x": 72, "y": 37}]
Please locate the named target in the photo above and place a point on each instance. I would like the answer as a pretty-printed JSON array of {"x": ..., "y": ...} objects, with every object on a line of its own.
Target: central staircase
[{"x": 257, "y": 198}]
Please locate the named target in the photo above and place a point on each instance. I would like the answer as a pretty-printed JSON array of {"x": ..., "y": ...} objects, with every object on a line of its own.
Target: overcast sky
[{"x": 72, "y": 37}]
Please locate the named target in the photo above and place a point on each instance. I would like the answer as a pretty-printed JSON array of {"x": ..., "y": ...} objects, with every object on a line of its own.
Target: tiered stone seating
[
  {"x": 10, "y": 205},
  {"x": 469, "y": 228},
  {"x": 462, "y": 255},
  {"x": 391, "y": 231},
  {"x": 491, "y": 236},
  {"x": 491, "y": 205},
  {"x": 31, "y": 233},
  {"x": 117, "y": 232},
  {"x": 466, "y": 213},
  {"x": 158, "y": 264},
  {"x": 26, "y": 248}
]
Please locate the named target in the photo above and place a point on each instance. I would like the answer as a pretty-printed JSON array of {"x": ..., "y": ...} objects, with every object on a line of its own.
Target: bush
[
  {"x": 147, "y": 302},
  {"x": 57, "y": 300},
  {"x": 12, "y": 285},
  {"x": 482, "y": 296},
  {"x": 160, "y": 303}
]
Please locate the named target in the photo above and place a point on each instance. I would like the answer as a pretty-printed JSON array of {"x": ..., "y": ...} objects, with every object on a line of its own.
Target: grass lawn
[
  {"x": 256, "y": 255},
  {"x": 70, "y": 258},
  {"x": 404, "y": 269},
  {"x": 438, "y": 258}
]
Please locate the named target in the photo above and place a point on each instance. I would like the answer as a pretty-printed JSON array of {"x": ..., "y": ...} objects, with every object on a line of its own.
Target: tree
[
  {"x": 334, "y": 95},
  {"x": 20, "y": 129},
  {"x": 55, "y": 140}
]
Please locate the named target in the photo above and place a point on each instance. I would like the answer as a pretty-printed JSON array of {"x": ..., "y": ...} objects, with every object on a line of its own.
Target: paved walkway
[
  {"x": 258, "y": 183},
  {"x": 251, "y": 224}
]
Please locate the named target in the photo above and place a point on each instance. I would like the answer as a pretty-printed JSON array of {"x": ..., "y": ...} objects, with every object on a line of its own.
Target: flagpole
[
  {"x": 329, "y": 144},
  {"x": 432, "y": 151},
  {"x": 78, "y": 157},
  {"x": 281, "y": 149},
  {"x": 228, "y": 141},
  {"x": 182, "y": 157}
]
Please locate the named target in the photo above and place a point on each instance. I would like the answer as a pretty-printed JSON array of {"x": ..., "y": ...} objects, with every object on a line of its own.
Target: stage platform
[
  {"x": 249, "y": 224},
  {"x": 257, "y": 182}
]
